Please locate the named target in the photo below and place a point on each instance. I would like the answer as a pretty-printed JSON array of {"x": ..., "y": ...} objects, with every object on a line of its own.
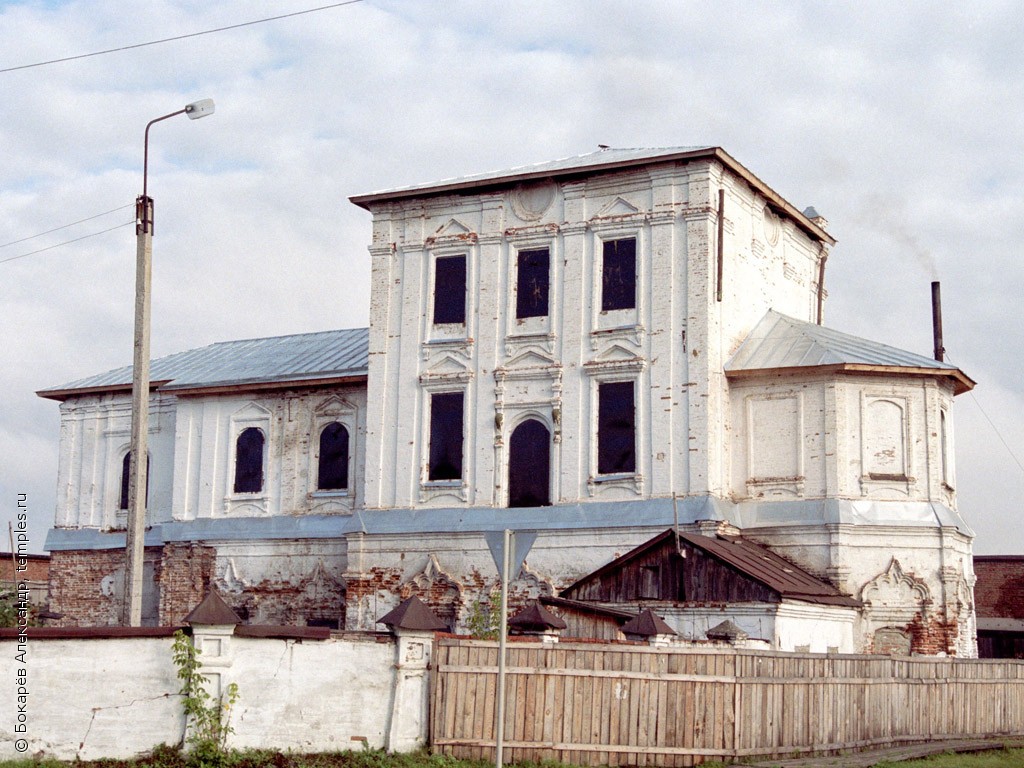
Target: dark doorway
[{"x": 529, "y": 465}]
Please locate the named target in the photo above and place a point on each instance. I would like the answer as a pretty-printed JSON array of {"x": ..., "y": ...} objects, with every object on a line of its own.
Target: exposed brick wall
[
  {"x": 186, "y": 574},
  {"x": 37, "y": 568},
  {"x": 79, "y": 592},
  {"x": 316, "y": 599},
  {"x": 183, "y": 574},
  {"x": 928, "y": 635},
  {"x": 999, "y": 591}
]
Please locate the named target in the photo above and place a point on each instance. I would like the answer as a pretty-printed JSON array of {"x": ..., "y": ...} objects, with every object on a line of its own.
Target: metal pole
[
  {"x": 940, "y": 351},
  {"x": 502, "y": 632}
]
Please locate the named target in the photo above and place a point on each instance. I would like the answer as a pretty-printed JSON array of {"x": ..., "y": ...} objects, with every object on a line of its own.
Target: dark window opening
[
  {"x": 446, "y": 436},
  {"x": 332, "y": 468},
  {"x": 532, "y": 284},
  {"x": 249, "y": 461},
  {"x": 650, "y": 582},
  {"x": 618, "y": 275},
  {"x": 450, "y": 290},
  {"x": 126, "y": 481},
  {"x": 529, "y": 458},
  {"x": 616, "y": 428}
]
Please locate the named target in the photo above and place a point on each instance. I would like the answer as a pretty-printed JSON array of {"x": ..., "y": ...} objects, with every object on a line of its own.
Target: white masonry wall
[
  {"x": 85, "y": 702},
  {"x": 673, "y": 344},
  {"x": 192, "y": 453},
  {"x": 95, "y": 436},
  {"x": 881, "y": 446},
  {"x": 291, "y": 421}
]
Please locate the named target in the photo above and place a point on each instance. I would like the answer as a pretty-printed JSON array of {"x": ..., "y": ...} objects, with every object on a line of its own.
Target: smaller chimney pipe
[{"x": 940, "y": 351}]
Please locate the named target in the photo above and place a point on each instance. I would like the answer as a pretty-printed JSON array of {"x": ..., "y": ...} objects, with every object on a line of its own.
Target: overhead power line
[
  {"x": 65, "y": 226},
  {"x": 67, "y": 242},
  {"x": 992, "y": 424},
  {"x": 181, "y": 37}
]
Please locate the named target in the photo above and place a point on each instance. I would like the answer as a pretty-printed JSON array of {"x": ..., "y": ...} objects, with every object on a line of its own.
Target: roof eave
[
  {"x": 106, "y": 389},
  {"x": 212, "y": 388},
  {"x": 456, "y": 186},
  {"x": 961, "y": 381},
  {"x": 227, "y": 387}
]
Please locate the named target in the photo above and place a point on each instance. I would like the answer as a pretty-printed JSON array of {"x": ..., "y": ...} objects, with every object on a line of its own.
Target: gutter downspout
[
  {"x": 721, "y": 248},
  {"x": 821, "y": 282}
]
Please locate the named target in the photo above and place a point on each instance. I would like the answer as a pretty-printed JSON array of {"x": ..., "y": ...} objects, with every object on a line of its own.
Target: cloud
[{"x": 897, "y": 122}]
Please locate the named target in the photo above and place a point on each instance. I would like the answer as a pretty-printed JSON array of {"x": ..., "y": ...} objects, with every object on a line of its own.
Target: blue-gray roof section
[
  {"x": 782, "y": 342},
  {"x": 304, "y": 357}
]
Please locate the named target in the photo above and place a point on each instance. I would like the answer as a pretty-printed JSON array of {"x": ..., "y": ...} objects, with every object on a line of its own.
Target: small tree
[
  {"x": 484, "y": 619},
  {"x": 9, "y": 603},
  {"x": 206, "y": 719}
]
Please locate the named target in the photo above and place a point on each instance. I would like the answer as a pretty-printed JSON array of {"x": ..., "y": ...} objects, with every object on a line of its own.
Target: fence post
[{"x": 411, "y": 697}]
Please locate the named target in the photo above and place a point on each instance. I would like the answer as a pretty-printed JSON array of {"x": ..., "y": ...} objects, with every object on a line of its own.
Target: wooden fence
[{"x": 625, "y": 704}]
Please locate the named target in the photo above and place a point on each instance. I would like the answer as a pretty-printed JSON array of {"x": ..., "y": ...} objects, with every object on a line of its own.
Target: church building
[{"x": 596, "y": 349}]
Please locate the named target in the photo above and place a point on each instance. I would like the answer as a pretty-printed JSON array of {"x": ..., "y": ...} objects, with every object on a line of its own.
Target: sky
[{"x": 901, "y": 123}]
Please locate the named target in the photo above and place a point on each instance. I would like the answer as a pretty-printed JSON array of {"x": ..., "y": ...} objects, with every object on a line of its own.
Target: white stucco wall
[
  {"x": 291, "y": 420},
  {"x": 192, "y": 452},
  {"x": 672, "y": 344},
  {"x": 118, "y": 697},
  {"x": 95, "y": 437}
]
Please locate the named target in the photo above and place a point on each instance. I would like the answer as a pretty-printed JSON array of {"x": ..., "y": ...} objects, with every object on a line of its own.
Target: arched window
[
  {"x": 249, "y": 461},
  {"x": 529, "y": 470},
  {"x": 332, "y": 469},
  {"x": 126, "y": 480}
]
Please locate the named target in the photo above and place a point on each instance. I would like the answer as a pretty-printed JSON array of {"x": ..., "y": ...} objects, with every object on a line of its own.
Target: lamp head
[{"x": 198, "y": 109}]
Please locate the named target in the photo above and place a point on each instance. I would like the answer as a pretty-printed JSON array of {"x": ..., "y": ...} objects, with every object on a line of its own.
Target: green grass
[
  {"x": 168, "y": 757},
  {"x": 997, "y": 758}
]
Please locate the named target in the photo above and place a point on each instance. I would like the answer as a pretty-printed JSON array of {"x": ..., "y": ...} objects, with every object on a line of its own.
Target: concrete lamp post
[{"x": 138, "y": 469}]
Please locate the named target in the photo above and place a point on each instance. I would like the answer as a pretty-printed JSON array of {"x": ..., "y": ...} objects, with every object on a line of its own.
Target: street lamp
[{"x": 131, "y": 610}]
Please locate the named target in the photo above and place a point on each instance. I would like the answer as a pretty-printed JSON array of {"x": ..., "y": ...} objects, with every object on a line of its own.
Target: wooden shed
[{"x": 681, "y": 567}]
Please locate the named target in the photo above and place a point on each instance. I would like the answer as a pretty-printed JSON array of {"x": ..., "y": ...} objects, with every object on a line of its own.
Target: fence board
[{"x": 620, "y": 703}]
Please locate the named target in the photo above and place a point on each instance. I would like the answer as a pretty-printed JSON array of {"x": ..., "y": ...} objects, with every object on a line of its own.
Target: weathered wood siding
[
  {"x": 661, "y": 574},
  {"x": 620, "y": 704}
]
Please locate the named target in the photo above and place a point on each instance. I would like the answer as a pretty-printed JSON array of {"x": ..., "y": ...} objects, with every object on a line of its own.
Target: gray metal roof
[
  {"x": 279, "y": 359},
  {"x": 602, "y": 161},
  {"x": 574, "y": 163},
  {"x": 779, "y": 341}
]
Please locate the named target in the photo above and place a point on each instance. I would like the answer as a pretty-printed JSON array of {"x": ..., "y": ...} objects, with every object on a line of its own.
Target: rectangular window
[
  {"x": 532, "y": 283},
  {"x": 618, "y": 275},
  {"x": 616, "y": 428},
  {"x": 446, "y": 436},
  {"x": 450, "y": 290}
]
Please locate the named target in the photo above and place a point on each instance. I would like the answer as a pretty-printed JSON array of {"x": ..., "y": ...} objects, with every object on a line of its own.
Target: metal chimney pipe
[{"x": 940, "y": 351}]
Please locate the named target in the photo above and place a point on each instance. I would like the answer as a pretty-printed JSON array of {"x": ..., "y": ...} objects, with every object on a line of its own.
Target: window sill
[
  {"x": 614, "y": 477},
  {"x": 337, "y": 494},
  {"x": 442, "y": 483}
]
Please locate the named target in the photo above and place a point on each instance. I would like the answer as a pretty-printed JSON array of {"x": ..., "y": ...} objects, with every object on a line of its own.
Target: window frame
[
  {"x": 523, "y": 312},
  {"x": 125, "y": 481},
  {"x": 344, "y": 464},
  {"x": 443, "y": 314},
  {"x": 601, "y": 430},
  {"x": 432, "y": 476},
  {"x": 238, "y": 455},
  {"x": 607, "y": 303}
]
